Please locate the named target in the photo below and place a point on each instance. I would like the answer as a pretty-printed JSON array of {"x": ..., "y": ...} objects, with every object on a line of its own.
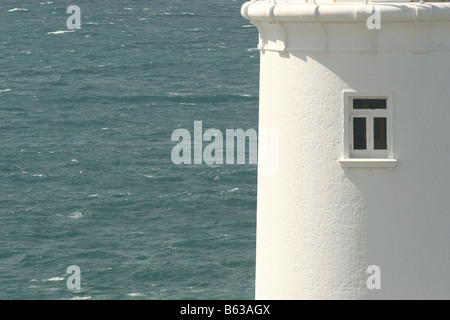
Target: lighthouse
[{"x": 359, "y": 93}]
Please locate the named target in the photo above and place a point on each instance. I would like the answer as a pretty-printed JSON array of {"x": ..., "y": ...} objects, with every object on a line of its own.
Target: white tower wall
[{"x": 320, "y": 224}]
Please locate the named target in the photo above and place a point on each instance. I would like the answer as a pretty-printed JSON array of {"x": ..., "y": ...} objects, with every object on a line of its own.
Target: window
[
  {"x": 367, "y": 130},
  {"x": 368, "y": 119}
]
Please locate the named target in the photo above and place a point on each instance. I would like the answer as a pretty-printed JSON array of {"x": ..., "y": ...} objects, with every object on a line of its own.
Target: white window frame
[{"x": 369, "y": 157}]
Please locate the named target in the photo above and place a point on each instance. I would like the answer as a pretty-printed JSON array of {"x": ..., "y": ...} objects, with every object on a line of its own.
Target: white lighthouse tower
[{"x": 359, "y": 93}]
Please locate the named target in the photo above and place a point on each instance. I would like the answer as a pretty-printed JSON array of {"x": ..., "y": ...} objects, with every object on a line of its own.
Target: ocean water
[{"x": 86, "y": 176}]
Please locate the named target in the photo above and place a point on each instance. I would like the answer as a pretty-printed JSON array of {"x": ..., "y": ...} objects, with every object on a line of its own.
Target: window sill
[{"x": 368, "y": 163}]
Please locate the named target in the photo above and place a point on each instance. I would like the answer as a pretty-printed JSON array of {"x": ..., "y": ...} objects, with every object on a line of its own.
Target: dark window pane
[
  {"x": 369, "y": 103},
  {"x": 359, "y": 134},
  {"x": 379, "y": 134}
]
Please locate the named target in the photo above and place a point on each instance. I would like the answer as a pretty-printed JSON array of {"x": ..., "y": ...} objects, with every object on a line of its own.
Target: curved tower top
[{"x": 341, "y": 25}]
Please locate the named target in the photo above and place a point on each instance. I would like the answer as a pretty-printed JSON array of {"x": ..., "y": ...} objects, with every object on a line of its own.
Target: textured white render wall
[{"x": 319, "y": 227}]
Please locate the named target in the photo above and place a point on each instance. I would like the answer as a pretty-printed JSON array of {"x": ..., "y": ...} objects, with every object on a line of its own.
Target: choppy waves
[{"x": 85, "y": 168}]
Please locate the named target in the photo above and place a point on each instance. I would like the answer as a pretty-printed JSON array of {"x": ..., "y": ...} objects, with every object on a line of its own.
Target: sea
[{"x": 86, "y": 174}]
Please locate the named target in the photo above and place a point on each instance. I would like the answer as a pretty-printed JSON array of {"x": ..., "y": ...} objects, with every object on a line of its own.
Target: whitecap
[
  {"x": 76, "y": 215},
  {"x": 81, "y": 298},
  {"x": 18, "y": 9},
  {"x": 148, "y": 176},
  {"x": 60, "y": 32},
  {"x": 54, "y": 279},
  {"x": 93, "y": 195},
  {"x": 6, "y": 90},
  {"x": 137, "y": 294},
  {"x": 74, "y": 160},
  {"x": 233, "y": 190},
  {"x": 38, "y": 175}
]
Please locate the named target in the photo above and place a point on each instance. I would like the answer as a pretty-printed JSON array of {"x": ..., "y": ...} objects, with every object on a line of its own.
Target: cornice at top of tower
[
  {"x": 337, "y": 2},
  {"x": 343, "y": 10}
]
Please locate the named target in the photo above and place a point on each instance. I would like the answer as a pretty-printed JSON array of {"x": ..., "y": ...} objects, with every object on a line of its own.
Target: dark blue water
[{"x": 86, "y": 176}]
